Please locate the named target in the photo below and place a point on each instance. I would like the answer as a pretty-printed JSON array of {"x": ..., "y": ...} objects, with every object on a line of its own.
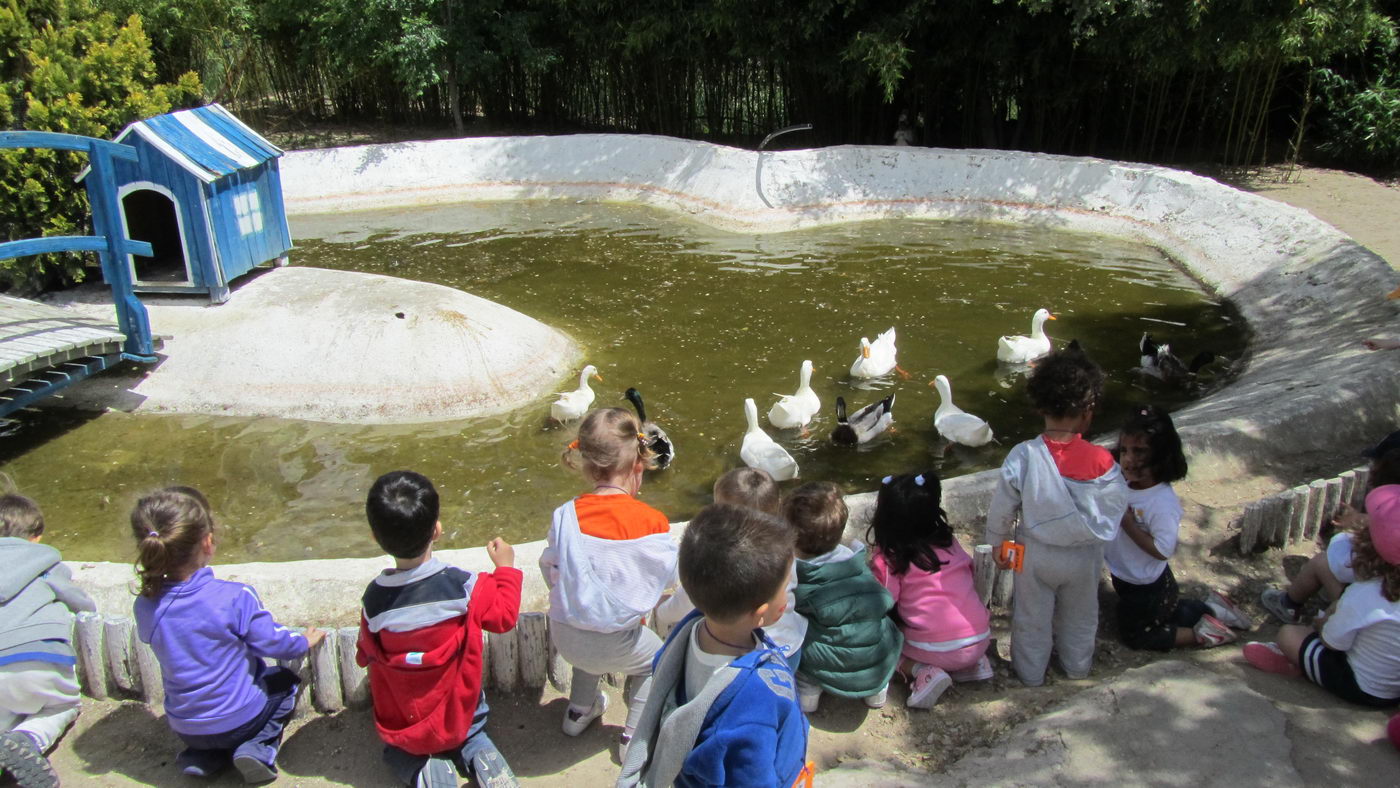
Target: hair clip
[
  {"x": 153, "y": 535},
  {"x": 573, "y": 444},
  {"x": 919, "y": 480},
  {"x": 887, "y": 480},
  {"x": 641, "y": 436}
]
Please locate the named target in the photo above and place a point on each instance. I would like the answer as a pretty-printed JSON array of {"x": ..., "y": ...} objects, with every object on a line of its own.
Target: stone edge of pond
[{"x": 1308, "y": 292}]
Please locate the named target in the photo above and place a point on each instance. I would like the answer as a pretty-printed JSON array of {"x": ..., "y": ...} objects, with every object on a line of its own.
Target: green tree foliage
[
  {"x": 66, "y": 68},
  {"x": 1230, "y": 80}
]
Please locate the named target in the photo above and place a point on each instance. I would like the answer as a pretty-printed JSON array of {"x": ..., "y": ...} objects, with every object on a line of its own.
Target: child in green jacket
[{"x": 852, "y": 646}]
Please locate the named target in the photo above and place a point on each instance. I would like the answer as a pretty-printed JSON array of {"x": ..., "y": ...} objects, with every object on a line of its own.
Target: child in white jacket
[{"x": 1069, "y": 496}]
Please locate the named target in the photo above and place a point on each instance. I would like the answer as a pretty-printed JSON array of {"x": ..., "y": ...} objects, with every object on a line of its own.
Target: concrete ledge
[{"x": 1308, "y": 292}]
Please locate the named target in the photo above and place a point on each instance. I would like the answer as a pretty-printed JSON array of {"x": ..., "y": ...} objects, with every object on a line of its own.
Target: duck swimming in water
[
  {"x": 656, "y": 438},
  {"x": 795, "y": 410},
  {"x": 1158, "y": 361},
  {"x": 572, "y": 405},
  {"x": 1024, "y": 350},
  {"x": 865, "y": 424},
  {"x": 762, "y": 452},
  {"x": 955, "y": 424}
]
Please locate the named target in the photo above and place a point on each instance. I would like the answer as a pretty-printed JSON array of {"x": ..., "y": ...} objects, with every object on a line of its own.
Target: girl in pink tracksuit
[{"x": 917, "y": 558}]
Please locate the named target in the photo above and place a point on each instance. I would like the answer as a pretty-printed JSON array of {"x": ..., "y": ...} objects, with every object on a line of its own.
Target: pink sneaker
[
  {"x": 1269, "y": 658},
  {"x": 979, "y": 672},
  {"x": 929, "y": 685}
]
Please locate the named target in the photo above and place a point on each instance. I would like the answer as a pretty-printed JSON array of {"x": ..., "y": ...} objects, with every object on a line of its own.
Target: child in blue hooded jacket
[{"x": 722, "y": 709}]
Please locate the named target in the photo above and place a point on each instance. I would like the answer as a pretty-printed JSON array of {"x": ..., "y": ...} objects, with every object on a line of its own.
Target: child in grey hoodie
[
  {"x": 1069, "y": 496},
  {"x": 38, "y": 686}
]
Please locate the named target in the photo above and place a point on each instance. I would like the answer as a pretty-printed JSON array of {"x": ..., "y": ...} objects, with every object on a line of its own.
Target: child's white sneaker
[
  {"x": 929, "y": 685},
  {"x": 1211, "y": 632},
  {"x": 808, "y": 697},
  {"x": 982, "y": 671},
  {"x": 1225, "y": 609},
  {"x": 576, "y": 720},
  {"x": 877, "y": 701}
]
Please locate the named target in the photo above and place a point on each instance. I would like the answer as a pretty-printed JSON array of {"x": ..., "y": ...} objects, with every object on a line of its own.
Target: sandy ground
[
  {"x": 116, "y": 743},
  {"x": 1364, "y": 208}
]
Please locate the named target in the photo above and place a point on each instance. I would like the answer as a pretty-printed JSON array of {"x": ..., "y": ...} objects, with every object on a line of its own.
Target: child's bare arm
[{"x": 1139, "y": 535}]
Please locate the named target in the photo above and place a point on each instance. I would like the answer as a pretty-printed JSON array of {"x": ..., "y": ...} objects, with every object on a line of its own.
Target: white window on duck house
[{"x": 248, "y": 209}]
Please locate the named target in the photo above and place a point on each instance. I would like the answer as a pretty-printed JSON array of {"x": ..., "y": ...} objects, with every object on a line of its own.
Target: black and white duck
[
  {"x": 865, "y": 424},
  {"x": 657, "y": 439},
  {"x": 1158, "y": 361}
]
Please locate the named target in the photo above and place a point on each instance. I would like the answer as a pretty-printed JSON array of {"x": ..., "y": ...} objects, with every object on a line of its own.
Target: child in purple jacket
[{"x": 210, "y": 636}]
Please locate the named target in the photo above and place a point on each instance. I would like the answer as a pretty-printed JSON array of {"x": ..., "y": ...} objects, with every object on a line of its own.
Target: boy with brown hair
[
  {"x": 852, "y": 645},
  {"x": 722, "y": 710}
]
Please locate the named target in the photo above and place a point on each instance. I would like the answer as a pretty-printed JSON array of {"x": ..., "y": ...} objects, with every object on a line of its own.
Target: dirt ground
[{"x": 117, "y": 743}]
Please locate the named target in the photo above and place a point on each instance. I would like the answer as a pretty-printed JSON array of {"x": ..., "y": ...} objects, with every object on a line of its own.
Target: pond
[{"x": 695, "y": 318}]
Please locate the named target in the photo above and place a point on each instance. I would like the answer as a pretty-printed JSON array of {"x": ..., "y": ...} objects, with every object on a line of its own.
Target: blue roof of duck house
[{"x": 208, "y": 142}]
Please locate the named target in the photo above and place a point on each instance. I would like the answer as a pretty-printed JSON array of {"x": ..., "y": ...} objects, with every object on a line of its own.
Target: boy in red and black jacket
[{"x": 420, "y": 637}]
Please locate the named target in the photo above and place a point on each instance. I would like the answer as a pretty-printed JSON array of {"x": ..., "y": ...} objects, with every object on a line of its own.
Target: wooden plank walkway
[{"x": 35, "y": 337}]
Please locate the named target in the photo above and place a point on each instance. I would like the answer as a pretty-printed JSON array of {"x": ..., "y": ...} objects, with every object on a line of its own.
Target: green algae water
[{"x": 695, "y": 318}]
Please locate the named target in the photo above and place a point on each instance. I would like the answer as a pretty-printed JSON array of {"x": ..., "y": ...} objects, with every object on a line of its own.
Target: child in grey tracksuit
[
  {"x": 38, "y": 683},
  {"x": 1070, "y": 497}
]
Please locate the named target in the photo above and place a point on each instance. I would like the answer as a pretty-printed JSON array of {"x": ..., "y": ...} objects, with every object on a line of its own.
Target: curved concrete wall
[{"x": 1308, "y": 292}]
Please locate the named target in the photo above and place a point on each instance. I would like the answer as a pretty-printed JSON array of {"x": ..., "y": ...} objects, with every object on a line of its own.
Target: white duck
[
  {"x": 795, "y": 410},
  {"x": 955, "y": 424},
  {"x": 571, "y": 405},
  {"x": 762, "y": 452},
  {"x": 877, "y": 358},
  {"x": 1023, "y": 350}
]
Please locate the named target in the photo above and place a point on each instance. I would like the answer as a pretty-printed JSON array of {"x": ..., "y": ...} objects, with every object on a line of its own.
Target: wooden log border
[{"x": 1298, "y": 514}]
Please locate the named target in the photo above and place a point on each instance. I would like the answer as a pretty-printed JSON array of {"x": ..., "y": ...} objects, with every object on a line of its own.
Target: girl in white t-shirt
[
  {"x": 1353, "y": 651},
  {"x": 1151, "y": 613}
]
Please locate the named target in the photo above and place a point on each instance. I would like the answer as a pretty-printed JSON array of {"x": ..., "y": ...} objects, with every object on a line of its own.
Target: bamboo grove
[{"x": 1235, "y": 82}]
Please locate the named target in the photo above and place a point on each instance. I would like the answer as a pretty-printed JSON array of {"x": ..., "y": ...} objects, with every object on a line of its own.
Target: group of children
[{"x": 727, "y": 640}]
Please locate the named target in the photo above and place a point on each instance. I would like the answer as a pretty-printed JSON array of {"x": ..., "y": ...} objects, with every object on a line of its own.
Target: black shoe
[
  {"x": 21, "y": 759},
  {"x": 254, "y": 771}
]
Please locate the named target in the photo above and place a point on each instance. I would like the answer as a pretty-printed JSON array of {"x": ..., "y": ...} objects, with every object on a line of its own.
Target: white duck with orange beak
[
  {"x": 796, "y": 409},
  {"x": 1024, "y": 350},
  {"x": 572, "y": 405},
  {"x": 877, "y": 358}
]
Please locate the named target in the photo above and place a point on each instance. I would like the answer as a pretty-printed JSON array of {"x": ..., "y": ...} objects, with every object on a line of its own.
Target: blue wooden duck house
[{"x": 207, "y": 195}]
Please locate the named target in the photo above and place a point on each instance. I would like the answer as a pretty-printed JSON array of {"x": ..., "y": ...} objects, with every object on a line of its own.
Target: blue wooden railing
[{"x": 110, "y": 242}]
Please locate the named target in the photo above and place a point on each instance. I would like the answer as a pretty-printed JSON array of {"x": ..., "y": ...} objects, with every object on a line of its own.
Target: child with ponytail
[
  {"x": 608, "y": 560},
  {"x": 210, "y": 637}
]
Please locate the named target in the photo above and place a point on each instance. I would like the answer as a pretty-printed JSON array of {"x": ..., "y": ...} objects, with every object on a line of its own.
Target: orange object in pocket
[
  {"x": 1012, "y": 554},
  {"x": 805, "y": 777}
]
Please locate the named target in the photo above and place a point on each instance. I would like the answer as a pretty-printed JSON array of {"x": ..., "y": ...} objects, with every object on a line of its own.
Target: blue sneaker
[
  {"x": 436, "y": 773},
  {"x": 490, "y": 770}
]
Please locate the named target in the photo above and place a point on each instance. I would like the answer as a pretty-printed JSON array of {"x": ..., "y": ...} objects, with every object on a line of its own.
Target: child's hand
[
  {"x": 1348, "y": 518},
  {"x": 500, "y": 552},
  {"x": 314, "y": 637}
]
